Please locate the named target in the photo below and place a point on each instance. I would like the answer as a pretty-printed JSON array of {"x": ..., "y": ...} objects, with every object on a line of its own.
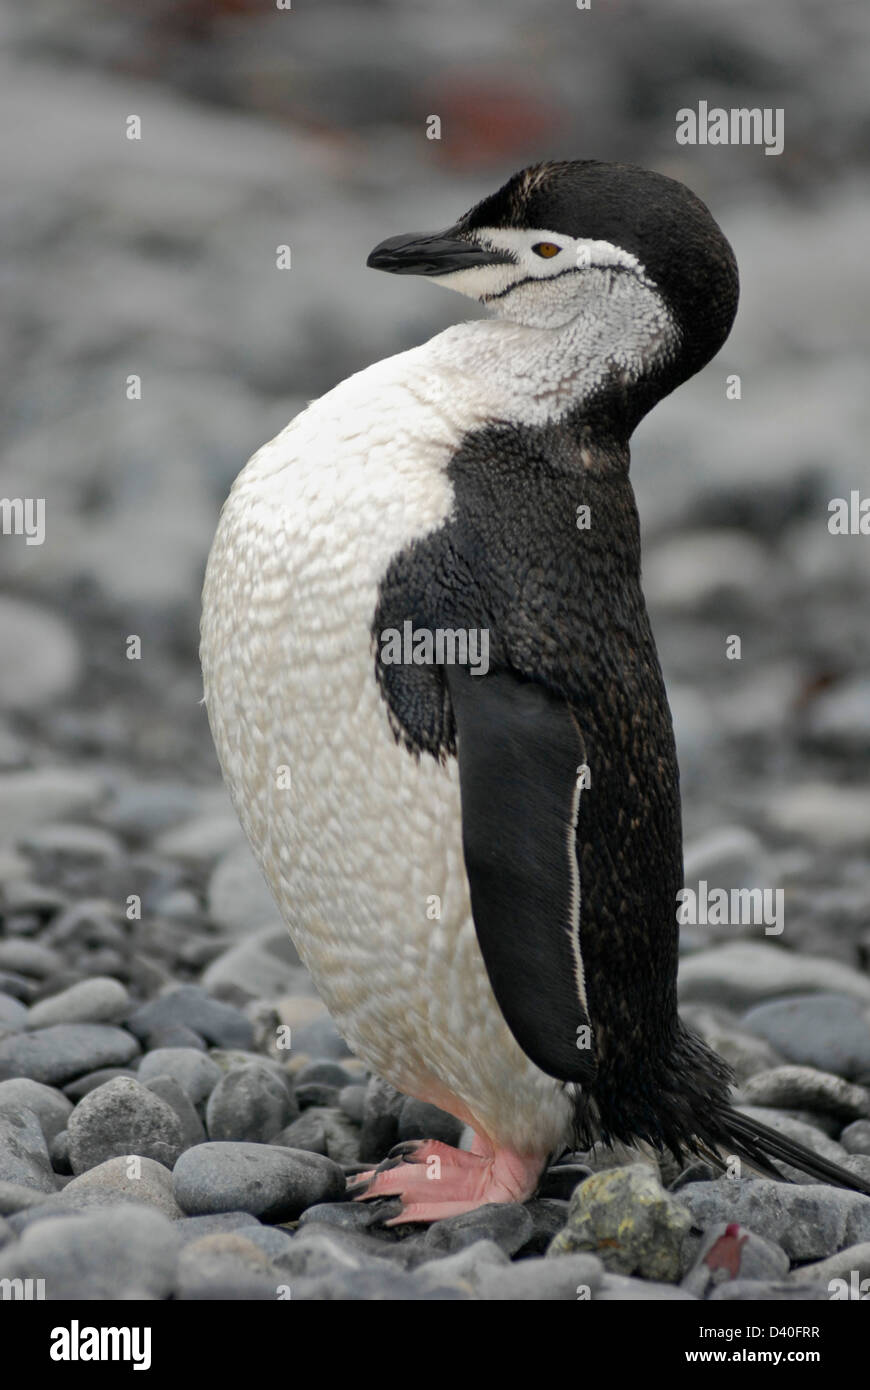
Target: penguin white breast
[{"x": 361, "y": 843}]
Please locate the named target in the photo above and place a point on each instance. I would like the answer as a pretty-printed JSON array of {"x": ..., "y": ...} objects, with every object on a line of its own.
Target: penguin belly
[{"x": 362, "y": 842}]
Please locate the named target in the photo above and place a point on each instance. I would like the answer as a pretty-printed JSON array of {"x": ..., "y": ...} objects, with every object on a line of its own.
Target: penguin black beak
[{"x": 432, "y": 253}]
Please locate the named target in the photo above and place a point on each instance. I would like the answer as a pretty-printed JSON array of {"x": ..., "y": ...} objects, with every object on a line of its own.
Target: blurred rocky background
[{"x": 157, "y": 257}]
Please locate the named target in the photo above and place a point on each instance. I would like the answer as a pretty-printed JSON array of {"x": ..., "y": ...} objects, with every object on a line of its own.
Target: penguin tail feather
[{"x": 758, "y": 1145}]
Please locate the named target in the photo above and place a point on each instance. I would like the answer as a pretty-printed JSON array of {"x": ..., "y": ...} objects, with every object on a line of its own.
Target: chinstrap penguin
[{"x": 480, "y": 868}]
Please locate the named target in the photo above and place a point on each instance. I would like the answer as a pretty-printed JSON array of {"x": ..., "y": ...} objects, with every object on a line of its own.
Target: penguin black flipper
[{"x": 519, "y": 749}]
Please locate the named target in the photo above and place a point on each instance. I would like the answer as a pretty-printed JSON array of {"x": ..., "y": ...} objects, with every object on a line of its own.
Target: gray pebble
[
  {"x": 418, "y": 1120},
  {"x": 51, "y": 1106},
  {"x": 98, "y": 1000},
  {"x": 725, "y": 1033},
  {"x": 14, "y": 1198},
  {"x": 830, "y": 1032},
  {"x": 507, "y": 1224},
  {"x": 169, "y": 1090},
  {"x": 618, "y": 1288},
  {"x": 809, "y": 1222},
  {"x": 383, "y": 1105},
  {"x": 852, "y": 1266},
  {"x": 18, "y": 986},
  {"x": 43, "y": 794},
  {"x": 47, "y": 660},
  {"x": 13, "y": 1014},
  {"x": 29, "y": 958},
  {"x": 276, "y": 1184},
  {"x": 239, "y": 898},
  {"x": 249, "y": 1103},
  {"x": 196, "y": 1073},
  {"x": 130, "y": 1179},
  {"x": 58, "y": 1152},
  {"x": 356, "y": 1218},
  {"x": 744, "y": 973},
  {"x": 195, "y": 1227},
  {"x": 324, "y": 1073},
  {"x": 58, "y": 1054},
  {"x": 375, "y": 1283},
  {"x": 218, "y": 1023},
  {"x": 318, "y": 1251},
  {"x": 731, "y": 1252},
  {"x": 761, "y": 1291},
  {"x": 855, "y": 1138},
  {"x": 123, "y": 1117},
  {"x": 175, "y": 1035},
  {"x": 276, "y": 1243},
  {"x": 804, "y": 1088},
  {"x": 570, "y": 1278},
  {"x": 226, "y": 1260},
  {"x": 263, "y": 966},
  {"x": 351, "y": 1102},
  {"x": 124, "y": 1253},
  {"x": 83, "y": 1085},
  {"x": 23, "y": 1151},
  {"x": 323, "y": 1130},
  {"x": 320, "y": 1039}
]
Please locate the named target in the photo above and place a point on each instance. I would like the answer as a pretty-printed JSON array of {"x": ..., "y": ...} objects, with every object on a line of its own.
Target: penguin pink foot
[{"x": 435, "y": 1180}]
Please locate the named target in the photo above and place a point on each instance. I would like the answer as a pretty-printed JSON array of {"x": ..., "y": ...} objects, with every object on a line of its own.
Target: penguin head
[{"x": 572, "y": 238}]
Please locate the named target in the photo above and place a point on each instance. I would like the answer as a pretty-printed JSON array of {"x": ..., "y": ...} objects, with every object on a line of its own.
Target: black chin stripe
[{"x": 548, "y": 279}]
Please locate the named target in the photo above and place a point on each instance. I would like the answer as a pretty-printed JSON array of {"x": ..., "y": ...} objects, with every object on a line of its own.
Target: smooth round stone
[
  {"x": 13, "y": 1014},
  {"x": 323, "y": 1130},
  {"x": 320, "y": 1038},
  {"x": 351, "y": 1102},
  {"x": 274, "y": 1183},
  {"x": 58, "y": 1152},
  {"x": 175, "y": 1035},
  {"x": 536, "y": 1279},
  {"x": 83, "y": 844},
  {"x": 123, "y": 1117},
  {"x": 249, "y": 1103},
  {"x": 51, "y": 1107},
  {"x": 130, "y": 1179},
  {"x": 29, "y": 958},
  {"x": 830, "y": 814},
  {"x": 169, "y": 1090},
  {"x": 808, "y": 1222},
  {"x": 75, "y": 1090},
  {"x": 124, "y": 1253},
  {"x": 66, "y": 1050},
  {"x": 239, "y": 897},
  {"x": 23, "y": 1152},
  {"x": 47, "y": 660},
  {"x": 508, "y": 1224},
  {"x": 261, "y": 966},
  {"x": 804, "y": 1088},
  {"x": 744, "y": 973},
  {"x": 220, "y": 1024},
  {"x": 228, "y": 1260},
  {"x": 43, "y": 794},
  {"x": 98, "y": 1000},
  {"x": 828, "y": 1031},
  {"x": 855, "y": 1138},
  {"x": 418, "y": 1120},
  {"x": 192, "y": 1228},
  {"x": 196, "y": 1073}
]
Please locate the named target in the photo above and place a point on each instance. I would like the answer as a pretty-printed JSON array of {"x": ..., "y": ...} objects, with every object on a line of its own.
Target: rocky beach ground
[{"x": 178, "y": 1115}]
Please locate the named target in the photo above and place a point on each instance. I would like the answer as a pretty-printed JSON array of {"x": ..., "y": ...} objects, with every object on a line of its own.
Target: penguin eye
[{"x": 546, "y": 249}]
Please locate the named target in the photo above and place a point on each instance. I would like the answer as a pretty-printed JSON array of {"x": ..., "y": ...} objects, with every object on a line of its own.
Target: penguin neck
[{"x": 602, "y": 344}]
